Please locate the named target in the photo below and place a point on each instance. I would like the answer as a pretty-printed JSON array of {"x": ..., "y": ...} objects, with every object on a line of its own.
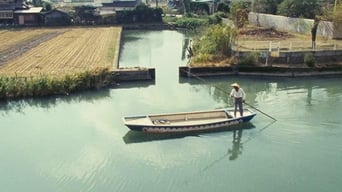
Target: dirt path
[{"x": 19, "y": 49}]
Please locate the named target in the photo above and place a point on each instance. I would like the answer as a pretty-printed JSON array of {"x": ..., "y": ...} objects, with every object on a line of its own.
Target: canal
[{"x": 79, "y": 143}]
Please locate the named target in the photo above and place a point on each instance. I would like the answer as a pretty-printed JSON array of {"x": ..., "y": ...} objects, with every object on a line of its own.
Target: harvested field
[
  {"x": 17, "y": 48},
  {"x": 11, "y": 38},
  {"x": 59, "y": 51}
]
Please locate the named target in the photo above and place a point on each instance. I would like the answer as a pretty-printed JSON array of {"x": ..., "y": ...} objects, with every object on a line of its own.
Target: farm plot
[
  {"x": 20, "y": 47},
  {"x": 75, "y": 50},
  {"x": 11, "y": 38}
]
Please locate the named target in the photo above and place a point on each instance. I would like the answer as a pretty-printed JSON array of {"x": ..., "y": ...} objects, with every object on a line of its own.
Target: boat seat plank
[{"x": 197, "y": 121}]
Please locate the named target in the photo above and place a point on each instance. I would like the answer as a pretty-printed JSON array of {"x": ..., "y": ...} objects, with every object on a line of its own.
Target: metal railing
[{"x": 286, "y": 45}]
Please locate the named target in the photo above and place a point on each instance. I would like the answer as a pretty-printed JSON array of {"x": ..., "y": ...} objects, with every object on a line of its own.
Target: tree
[
  {"x": 215, "y": 43},
  {"x": 37, "y": 3},
  {"x": 199, "y": 8},
  {"x": 266, "y": 6},
  {"x": 304, "y": 8},
  {"x": 314, "y": 32},
  {"x": 47, "y": 6},
  {"x": 239, "y": 12},
  {"x": 86, "y": 14},
  {"x": 186, "y": 4},
  {"x": 141, "y": 13},
  {"x": 223, "y": 7},
  {"x": 337, "y": 20}
]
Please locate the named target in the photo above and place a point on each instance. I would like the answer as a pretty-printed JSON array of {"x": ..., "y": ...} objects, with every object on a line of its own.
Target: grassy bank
[{"x": 16, "y": 87}]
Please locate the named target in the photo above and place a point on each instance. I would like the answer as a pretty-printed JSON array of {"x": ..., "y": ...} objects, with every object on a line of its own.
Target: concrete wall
[
  {"x": 117, "y": 51},
  {"x": 297, "y": 25},
  {"x": 297, "y": 57},
  {"x": 337, "y": 31},
  {"x": 134, "y": 74}
]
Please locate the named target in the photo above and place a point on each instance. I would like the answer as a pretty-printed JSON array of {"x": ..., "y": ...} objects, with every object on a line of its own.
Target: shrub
[
  {"x": 309, "y": 59},
  {"x": 223, "y": 7},
  {"x": 203, "y": 57},
  {"x": 215, "y": 19},
  {"x": 199, "y": 8},
  {"x": 251, "y": 58},
  {"x": 142, "y": 13},
  {"x": 191, "y": 23},
  {"x": 170, "y": 19},
  {"x": 216, "y": 40}
]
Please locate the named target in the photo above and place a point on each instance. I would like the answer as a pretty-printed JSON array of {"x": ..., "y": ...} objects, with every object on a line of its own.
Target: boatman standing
[{"x": 239, "y": 98}]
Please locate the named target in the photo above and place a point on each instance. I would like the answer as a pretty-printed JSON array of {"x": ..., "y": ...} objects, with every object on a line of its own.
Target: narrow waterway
[{"x": 79, "y": 143}]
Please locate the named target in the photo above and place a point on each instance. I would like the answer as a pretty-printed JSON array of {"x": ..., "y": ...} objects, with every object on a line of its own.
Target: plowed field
[{"x": 57, "y": 51}]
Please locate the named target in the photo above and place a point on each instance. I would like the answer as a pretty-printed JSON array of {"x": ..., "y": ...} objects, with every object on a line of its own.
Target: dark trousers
[{"x": 238, "y": 103}]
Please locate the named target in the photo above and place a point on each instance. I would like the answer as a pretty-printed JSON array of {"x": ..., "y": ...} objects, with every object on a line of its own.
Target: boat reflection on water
[{"x": 138, "y": 137}]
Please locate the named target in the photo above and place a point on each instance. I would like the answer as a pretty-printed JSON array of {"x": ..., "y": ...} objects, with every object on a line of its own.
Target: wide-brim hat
[{"x": 235, "y": 85}]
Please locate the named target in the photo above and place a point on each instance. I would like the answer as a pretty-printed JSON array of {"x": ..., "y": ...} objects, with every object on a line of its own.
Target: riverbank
[
  {"x": 259, "y": 51},
  {"x": 266, "y": 71}
]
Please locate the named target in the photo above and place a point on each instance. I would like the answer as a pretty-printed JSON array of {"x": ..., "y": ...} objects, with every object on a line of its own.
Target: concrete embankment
[
  {"x": 294, "y": 57},
  {"x": 149, "y": 26},
  {"x": 134, "y": 74},
  {"x": 259, "y": 71},
  {"x": 148, "y": 74}
]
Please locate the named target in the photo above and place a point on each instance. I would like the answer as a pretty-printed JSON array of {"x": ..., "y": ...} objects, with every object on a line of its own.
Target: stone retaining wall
[
  {"x": 297, "y": 25},
  {"x": 297, "y": 57}
]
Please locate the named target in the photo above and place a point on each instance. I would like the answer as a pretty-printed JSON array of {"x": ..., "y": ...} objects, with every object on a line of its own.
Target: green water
[{"x": 79, "y": 143}]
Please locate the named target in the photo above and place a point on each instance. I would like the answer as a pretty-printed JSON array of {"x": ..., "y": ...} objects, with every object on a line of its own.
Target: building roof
[
  {"x": 122, "y": 4},
  {"x": 203, "y": 1},
  {"x": 30, "y": 10},
  {"x": 56, "y": 10}
]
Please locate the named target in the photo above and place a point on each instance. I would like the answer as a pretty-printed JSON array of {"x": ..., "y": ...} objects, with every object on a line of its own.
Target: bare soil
[{"x": 258, "y": 33}]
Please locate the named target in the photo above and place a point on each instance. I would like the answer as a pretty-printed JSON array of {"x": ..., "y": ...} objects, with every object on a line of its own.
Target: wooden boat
[
  {"x": 140, "y": 137},
  {"x": 187, "y": 121}
]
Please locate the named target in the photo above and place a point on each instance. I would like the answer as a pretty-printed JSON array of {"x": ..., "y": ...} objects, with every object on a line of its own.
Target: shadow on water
[
  {"x": 236, "y": 148},
  {"x": 132, "y": 38},
  {"x": 139, "y": 137},
  {"x": 52, "y": 101},
  {"x": 135, "y": 84}
]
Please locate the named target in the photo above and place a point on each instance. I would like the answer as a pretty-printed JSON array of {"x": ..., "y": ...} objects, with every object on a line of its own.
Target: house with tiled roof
[
  {"x": 19, "y": 12},
  {"x": 56, "y": 17}
]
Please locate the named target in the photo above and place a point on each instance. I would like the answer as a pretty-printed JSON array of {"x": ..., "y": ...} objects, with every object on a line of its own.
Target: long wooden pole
[
  {"x": 261, "y": 111},
  {"x": 224, "y": 91}
]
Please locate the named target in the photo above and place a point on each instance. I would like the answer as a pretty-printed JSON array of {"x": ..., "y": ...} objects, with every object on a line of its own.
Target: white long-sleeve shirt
[{"x": 238, "y": 94}]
